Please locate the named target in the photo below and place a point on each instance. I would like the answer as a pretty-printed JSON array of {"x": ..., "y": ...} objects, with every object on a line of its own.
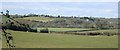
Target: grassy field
[
  {"x": 44, "y": 19},
  {"x": 44, "y": 40},
  {"x": 77, "y": 29},
  {"x": 63, "y": 29},
  {"x": 110, "y": 30}
]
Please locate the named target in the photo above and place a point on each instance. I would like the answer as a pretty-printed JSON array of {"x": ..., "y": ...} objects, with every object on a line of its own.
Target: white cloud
[
  {"x": 60, "y": 0},
  {"x": 108, "y": 10}
]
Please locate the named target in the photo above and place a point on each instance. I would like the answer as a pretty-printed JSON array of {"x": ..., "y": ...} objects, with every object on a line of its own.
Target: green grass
[
  {"x": 63, "y": 29},
  {"x": 44, "y": 19},
  {"x": 44, "y": 40},
  {"x": 75, "y": 29},
  {"x": 101, "y": 31}
]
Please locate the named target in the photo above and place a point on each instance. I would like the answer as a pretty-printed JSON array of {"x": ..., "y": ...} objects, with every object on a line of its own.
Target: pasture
[
  {"x": 80, "y": 30},
  {"x": 43, "y": 19},
  {"x": 63, "y": 29},
  {"x": 101, "y": 31},
  {"x": 44, "y": 40}
]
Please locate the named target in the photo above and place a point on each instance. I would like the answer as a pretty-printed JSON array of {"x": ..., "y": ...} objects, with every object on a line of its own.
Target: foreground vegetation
[
  {"x": 44, "y": 40},
  {"x": 0, "y": 42}
]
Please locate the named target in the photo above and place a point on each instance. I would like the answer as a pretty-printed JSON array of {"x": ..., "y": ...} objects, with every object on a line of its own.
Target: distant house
[
  {"x": 87, "y": 19},
  {"x": 110, "y": 22},
  {"x": 72, "y": 16}
]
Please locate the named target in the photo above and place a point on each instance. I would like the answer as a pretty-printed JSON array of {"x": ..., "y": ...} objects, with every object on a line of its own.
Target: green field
[
  {"x": 77, "y": 29},
  {"x": 44, "y": 40},
  {"x": 110, "y": 30},
  {"x": 63, "y": 29},
  {"x": 44, "y": 19}
]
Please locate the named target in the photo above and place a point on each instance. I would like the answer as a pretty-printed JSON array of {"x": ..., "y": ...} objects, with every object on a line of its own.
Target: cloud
[
  {"x": 108, "y": 10},
  {"x": 63, "y": 8},
  {"x": 60, "y": 0}
]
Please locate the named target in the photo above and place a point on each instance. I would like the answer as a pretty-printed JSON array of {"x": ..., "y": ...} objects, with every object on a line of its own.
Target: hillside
[
  {"x": 43, "y": 19},
  {"x": 68, "y": 22},
  {"x": 35, "y": 22}
]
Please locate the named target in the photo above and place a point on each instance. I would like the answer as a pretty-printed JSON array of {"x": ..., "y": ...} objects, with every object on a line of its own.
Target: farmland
[
  {"x": 53, "y": 40},
  {"x": 78, "y": 29},
  {"x": 63, "y": 29},
  {"x": 59, "y": 25},
  {"x": 111, "y": 30},
  {"x": 43, "y": 40},
  {"x": 38, "y": 19}
]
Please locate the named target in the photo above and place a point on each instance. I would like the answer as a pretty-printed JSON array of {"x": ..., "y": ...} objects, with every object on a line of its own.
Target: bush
[{"x": 44, "y": 30}]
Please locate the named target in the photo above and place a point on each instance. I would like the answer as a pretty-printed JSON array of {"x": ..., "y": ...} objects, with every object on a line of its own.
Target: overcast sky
[{"x": 96, "y": 9}]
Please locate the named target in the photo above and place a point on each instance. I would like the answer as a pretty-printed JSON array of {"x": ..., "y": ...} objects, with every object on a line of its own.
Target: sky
[
  {"x": 60, "y": 0},
  {"x": 95, "y": 9}
]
